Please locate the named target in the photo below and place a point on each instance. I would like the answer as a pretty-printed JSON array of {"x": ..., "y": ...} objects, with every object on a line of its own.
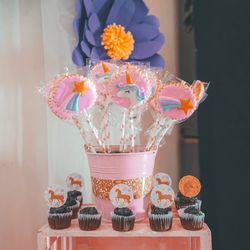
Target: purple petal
[
  {"x": 121, "y": 12},
  {"x": 79, "y": 8},
  {"x": 98, "y": 53},
  {"x": 144, "y": 50},
  {"x": 78, "y": 57},
  {"x": 144, "y": 32},
  {"x": 156, "y": 61},
  {"x": 141, "y": 10},
  {"x": 94, "y": 23},
  {"x": 160, "y": 38},
  {"x": 102, "y": 8},
  {"x": 153, "y": 20},
  {"x": 89, "y": 36},
  {"x": 88, "y": 6},
  {"x": 85, "y": 47}
]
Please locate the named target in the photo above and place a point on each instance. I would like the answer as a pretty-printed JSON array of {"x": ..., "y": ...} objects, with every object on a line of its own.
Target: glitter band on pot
[{"x": 141, "y": 186}]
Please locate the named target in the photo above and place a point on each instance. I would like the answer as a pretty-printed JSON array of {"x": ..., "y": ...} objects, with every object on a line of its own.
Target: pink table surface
[{"x": 142, "y": 237}]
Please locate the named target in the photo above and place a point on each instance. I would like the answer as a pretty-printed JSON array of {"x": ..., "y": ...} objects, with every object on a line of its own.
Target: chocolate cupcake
[
  {"x": 89, "y": 219},
  {"x": 191, "y": 218},
  {"x": 160, "y": 219},
  {"x": 154, "y": 208},
  {"x": 77, "y": 195},
  {"x": 123, "y": 219},
  {"x": 161, "y": 216},
  {"x": 74, "y": 205},
  {"x": 59, "y": 218},
  {"x": 182, "y": 201}
]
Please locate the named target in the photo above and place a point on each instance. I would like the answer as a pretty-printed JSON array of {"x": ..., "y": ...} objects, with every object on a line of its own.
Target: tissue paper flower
[{"x": 117, "y": 29}]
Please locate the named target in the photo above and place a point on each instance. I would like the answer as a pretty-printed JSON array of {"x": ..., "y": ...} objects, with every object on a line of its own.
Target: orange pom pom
[{"x": 118, "y": 43}]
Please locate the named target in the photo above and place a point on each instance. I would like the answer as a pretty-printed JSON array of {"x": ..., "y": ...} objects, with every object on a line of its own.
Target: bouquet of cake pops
[{"x": 118, "y": 94}]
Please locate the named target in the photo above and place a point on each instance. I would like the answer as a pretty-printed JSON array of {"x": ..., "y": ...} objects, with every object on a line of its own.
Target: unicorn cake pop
[
  {"x": 130, "y": 87},
  {"x": 100, "y": 75},
  {"x": 70, "y": 95}
]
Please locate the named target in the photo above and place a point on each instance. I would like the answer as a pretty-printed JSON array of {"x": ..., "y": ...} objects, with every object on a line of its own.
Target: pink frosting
[
  {"x": 139, "y": 80},
  {"x": 61, "y": 92},
  {"x": 176, "y": 91},
  {"x": 101, "y": 79}
]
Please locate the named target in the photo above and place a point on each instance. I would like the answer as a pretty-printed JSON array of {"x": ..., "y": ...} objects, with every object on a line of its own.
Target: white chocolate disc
[
  {"x": 55, "y": 195},
  {"x": 162, "y": 196},
  {"x": 74, "y": 182},
  {"x": 121, "y": 195},
  {"x": 161, "y": 178}
]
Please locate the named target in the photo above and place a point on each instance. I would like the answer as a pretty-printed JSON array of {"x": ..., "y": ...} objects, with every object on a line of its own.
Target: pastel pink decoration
[
  {"x": 70, "y": 95},
  {"x": 100, "y": 75},
  {"x": 176, "y": 101},
  {"x": 122, "y": 166},
  {"x": 140, "y": 238},
  {"x": 130, "y": 87}
]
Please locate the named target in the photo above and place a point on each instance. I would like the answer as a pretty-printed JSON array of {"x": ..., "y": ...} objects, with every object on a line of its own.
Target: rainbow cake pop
[
  {"x": 176, "y": 101},
  {"x": 70, "y": 95}
]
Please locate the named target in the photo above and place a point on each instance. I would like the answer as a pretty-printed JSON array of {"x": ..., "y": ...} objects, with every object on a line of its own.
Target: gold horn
[
  {"x": 129, "y": 78},
  {"x": 105, "y": 67}
]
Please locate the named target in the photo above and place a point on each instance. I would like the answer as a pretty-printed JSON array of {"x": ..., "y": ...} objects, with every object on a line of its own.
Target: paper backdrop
[{"x": 35, "y": 147}]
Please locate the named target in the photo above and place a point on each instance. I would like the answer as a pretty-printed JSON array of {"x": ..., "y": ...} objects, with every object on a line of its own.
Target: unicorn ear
[{"x": 105, "y": 67}]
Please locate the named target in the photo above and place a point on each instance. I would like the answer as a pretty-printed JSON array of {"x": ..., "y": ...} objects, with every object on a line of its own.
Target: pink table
[{"x": 105, "y": 238}]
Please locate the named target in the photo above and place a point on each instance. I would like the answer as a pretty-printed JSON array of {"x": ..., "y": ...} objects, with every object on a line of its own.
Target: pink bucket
[{"x": 133, "y": 169}]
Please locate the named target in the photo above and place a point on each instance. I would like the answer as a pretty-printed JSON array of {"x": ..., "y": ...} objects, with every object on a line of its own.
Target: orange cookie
[{"x": 189, "y": 186}]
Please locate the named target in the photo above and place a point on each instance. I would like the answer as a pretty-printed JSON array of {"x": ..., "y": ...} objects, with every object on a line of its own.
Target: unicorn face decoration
[{"x": 130, "y": 89}]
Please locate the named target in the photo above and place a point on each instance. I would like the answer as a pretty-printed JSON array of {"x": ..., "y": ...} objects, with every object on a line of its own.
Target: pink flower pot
[{"x": 133, "y": 169}]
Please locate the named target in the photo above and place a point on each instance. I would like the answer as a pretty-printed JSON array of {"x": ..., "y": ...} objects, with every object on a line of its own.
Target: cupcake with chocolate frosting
[
  {"x": 161, "y": 216},
  {"x": 74, "y": 205},
  {"x": 123, "y": 218},
  {"x": 59, "y": 218},
  {"x": 191, "y": 218},
  {"x": 89, "y": 219},
  {"x": 59, "y": 215}
]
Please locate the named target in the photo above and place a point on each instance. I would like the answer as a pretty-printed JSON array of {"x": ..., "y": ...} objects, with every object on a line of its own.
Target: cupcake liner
[
  {"x": 59, "y": 221},
  {"x": 160, "y": 222},
  {"x": 197, "y": 204},
  {"x": 75, "y": 208},
  {"x": 89, "y": 222},
  {"x": 191, "y": 221},
  {"x": 122, "y": 223}
]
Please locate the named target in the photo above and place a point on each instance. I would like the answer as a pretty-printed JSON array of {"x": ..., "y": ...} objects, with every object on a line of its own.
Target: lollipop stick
[
  {"x": 123, "y": 125},
  {"x": 168, "y": 127},
  {"x": 82, "y": 132},
  {"x": 156, "y": 127},
  {"x": 93, "y": 130},
  {"x": 132, "y": 131}
]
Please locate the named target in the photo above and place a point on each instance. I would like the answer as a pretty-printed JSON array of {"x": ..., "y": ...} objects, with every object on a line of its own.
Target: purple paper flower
[{"x": 93, "y": 16}]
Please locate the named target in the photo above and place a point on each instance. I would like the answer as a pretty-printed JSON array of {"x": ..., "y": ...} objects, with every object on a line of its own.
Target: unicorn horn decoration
[
  {"x": 105, "y": 67},
  {"x": 129, "y": 78}
]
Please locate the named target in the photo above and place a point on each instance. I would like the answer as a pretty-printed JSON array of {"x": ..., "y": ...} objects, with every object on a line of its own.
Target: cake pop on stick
[
  {"x": 100, "y": 74},
  {"x": 71, "y": 95},
  {"x": 130, "y": 89},
  {"x": 175, "y": 102}
]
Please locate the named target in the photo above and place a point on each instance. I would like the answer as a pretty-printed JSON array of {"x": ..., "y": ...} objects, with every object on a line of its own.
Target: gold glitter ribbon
[{"x": 141, "y": 186}]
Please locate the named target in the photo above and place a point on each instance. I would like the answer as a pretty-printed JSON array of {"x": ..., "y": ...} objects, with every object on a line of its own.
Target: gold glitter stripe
[{"x": 141, "y": 186}]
